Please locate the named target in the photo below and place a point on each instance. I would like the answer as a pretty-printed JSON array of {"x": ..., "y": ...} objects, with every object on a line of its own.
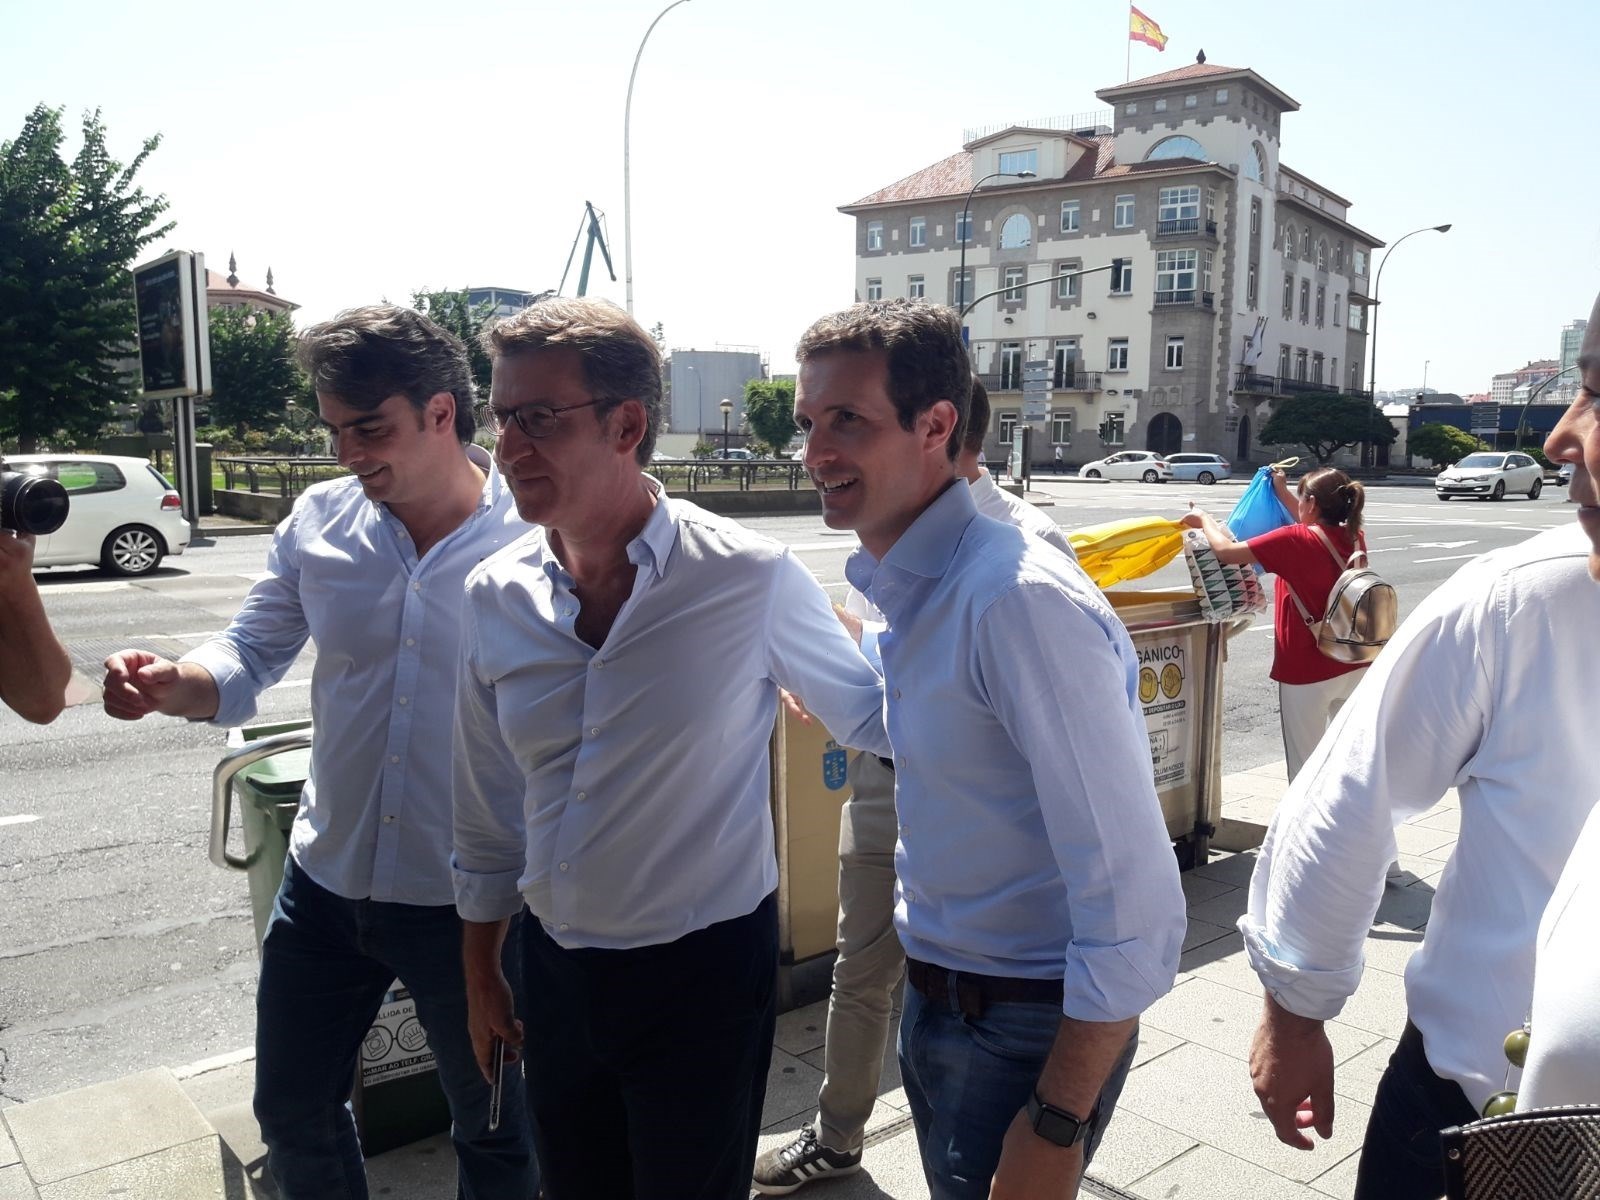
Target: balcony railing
[
  {"x": 1284, "y": 385},
  {"x": 1186, "y": 227},
  {"x": 1180, "y": 296},
  {"x": 1060, "y": 381}
]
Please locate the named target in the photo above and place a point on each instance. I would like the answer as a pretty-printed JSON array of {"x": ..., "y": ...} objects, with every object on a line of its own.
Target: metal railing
[
  {"x": 1099, "y": 122},
  {"x": 1061, "y": 380},
  {"x": 287, "y": 476},
  {"x": 745, "y": 475},
  {"x": 1185, "y": 227},
  {"x": 1283, "y": 385}
]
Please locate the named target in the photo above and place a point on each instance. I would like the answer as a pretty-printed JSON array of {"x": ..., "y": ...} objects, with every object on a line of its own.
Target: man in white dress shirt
[
  {"x": 619, "y": 684},
  {"x": 1486, "y": 688},
  {"x": 371, "y": 568},
  {"x": 1037, "y": 895}
]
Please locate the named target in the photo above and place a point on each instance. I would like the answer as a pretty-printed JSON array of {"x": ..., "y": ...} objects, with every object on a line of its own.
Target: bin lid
[
  {"x": 1160, "y": 608},
  {"x": 277, "y": 778}
]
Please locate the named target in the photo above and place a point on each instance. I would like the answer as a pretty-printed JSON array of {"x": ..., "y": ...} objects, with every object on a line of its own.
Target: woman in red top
[{"x": 1311, "y": 686}]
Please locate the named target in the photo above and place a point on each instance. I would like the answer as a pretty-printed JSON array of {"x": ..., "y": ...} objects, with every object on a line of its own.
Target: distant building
[
  {"x": 1571, "y": 340},
  {"x": 699, "y": 380},
  {"x": 229, "y": 291},
  {"x": 503, "y": 302}
]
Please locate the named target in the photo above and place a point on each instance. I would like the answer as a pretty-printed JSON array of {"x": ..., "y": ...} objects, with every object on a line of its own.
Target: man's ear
[
  {"x": 943, "y": 422},
  {"x": 628, "y": 424},
  {"x": 440, "y": 412}
]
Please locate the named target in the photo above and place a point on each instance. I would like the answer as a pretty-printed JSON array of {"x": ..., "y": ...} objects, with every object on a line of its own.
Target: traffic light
[
  {"x": 1118, "y": 265},
  {"x": 1105, "y": 427}
]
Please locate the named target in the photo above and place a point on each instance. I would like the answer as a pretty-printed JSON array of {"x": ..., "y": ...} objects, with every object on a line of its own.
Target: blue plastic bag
[{"x": 1259, "y": 510}]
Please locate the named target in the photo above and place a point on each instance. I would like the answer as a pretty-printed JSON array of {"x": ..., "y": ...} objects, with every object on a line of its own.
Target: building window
[
  {"x": 1333, "y": 371},
  {"x": 1205, "y": 275},
  {"x": 1288, "y": 241},
  {"x": 1283, "y": 362},
  {"x": 1014, "y": 280},
  {"x": 1010, "y": 366},
  {"x": 874, "y": 235},
  {"x": 1061, "y": 425},
  {"x": 1316, "y": 368},
  {"x": 1288, "y": 296},
  {"x": 1300, "y": 365},
  {"x": 1190, "y": 101},
  {"x": 1161, "y": 105},
  {"x": 1117, "y": 354},
  {"x": 1338, "y": 300},
  {"x": 874, "y": 289},
  {"x": 916, "y": 288},
  {"x": 1121, "y": 276},
  {"x": 1175, "y": 276},
  {"x": 1066, "y": 288},
  {"x": 1069, "y": 216},
  {"x": 1255, "y": 217},
  {"x": 963, "y": 289},
  {"x": 919, "y": 231},
  {"x": 1177, "y": 146},
  {"x": 1359, "y": 260},
  {"x": 1017, "y": 232},
  {"x": 1122, "y": 217},
  {"x": 1338, "y": 256},
  {"x": 1211, "y": 207},
  {"x": 1174, "y": 354},
  {"x": 1357, "y": 320},
  {"x": 1008, "y": 428},
  {"x": 1116, "y": 428},
  {"x": 1178, "y": 204},
  {"x": 1355, "y": 377},
  {"x": 1255, "y": 163},
  {"x": 1014, "y": 162},
  {"x": 1305, "y": 301},
  {"x": 1322, "y": 304},
  {"x": 1322, "y": 254},
  {"x": 1066, "y": 375},
  {"x": 963, "y": 227},
  {"x": 1250, "y": 288},
  {"x": 1131, "y": 108},
  {"x": 1222, "y": 95}
]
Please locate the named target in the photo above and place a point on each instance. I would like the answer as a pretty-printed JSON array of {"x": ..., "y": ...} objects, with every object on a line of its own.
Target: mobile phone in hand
[{"x": 497, "y": 1088}]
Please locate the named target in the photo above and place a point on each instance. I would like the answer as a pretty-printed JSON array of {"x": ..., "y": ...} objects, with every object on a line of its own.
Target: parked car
[
  {"x": 1489, "y": 475},
  {"x": 1131, "y": 464},
  {"x": 1564, "y": 474},
  {"x": 733, "y": 452},
  {"x": 125, "y": 516},
  {"x": 1199, "y": 468}
]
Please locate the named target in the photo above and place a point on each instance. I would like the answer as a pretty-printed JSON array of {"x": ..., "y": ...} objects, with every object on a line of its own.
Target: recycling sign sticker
[{"x": 1166, "y": 692}]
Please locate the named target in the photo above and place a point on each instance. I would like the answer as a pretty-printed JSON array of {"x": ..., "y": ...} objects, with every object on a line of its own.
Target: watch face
[{"x": 1055, "y": 1125}]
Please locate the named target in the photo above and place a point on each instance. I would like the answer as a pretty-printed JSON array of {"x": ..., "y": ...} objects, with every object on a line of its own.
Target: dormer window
[
  {"x": 1015, "y": 162},
  {"x": 1177, "y": 146}
]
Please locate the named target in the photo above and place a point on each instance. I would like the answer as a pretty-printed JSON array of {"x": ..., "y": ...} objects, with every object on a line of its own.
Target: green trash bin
[{"x": 396, "y": 1093}]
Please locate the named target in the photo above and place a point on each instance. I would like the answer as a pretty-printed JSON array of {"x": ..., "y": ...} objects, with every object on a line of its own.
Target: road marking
[
  {"x": 1446, "y": 558},
  {"x": 290, "y": 683},
  {"x": 1440, "y": 545},
  {"x": 18, "y": 819},
  {"x": 838, "y": 545}
]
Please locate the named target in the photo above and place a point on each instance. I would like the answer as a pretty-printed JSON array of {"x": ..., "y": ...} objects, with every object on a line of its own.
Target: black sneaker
[{"x": 788, "y": 1168}]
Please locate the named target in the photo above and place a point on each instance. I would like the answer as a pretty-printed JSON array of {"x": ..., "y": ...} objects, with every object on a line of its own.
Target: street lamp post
[
  {"x": 627, "y": 123},
  {"x": 727, "y": 410},
  {"x": 966, "y": 228},
  {"x": 1370, "y": 453}
]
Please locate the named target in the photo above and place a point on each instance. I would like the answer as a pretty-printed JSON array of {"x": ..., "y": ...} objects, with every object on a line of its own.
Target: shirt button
[
  {"x": 911, "y": 897},
  {"x": 416, "y": 587},
  {"x": 413, "y": 642},
  {"x": 599, "y": 662},
  {"x": 563, "y": 866},
  {"x": 583, "y": 795},
  {"x": 388, "y": 820},
  {"x": 897, "y": 693},
  {"x": 903, "y": 760},
  {"x": 403, "y": 700},
  {"x": 594, "y": 731},
  {"x": 394, "y": 758},
  {"x": 564, "y": 927}
]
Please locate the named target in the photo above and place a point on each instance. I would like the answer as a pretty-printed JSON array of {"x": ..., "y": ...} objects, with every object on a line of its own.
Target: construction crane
[{"x": 592, "y": 224}]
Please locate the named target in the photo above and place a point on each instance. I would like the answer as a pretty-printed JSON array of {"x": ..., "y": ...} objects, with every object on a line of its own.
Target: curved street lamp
[
  {"x": 627, "y": 122},
  {"x": 1372, "y": 333},
  {"x": 966, "y": 228},
  {"x": 727, "y": 409}
]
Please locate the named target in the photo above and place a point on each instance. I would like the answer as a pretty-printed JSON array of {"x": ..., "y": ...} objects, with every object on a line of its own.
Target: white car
[
  {"x": 1489, "y": 475},
  {"x": 1200, "y": 468},
  {"x": 1131, "y": 464},
  {"x": 124, "y": 515}
]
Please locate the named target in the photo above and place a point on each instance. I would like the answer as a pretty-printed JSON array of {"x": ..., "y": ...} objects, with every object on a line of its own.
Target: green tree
[
  {"x": 456, "y": 312},
  {"x": 254, "y": 374},
  {"x": 1326, "y": 424},
  {"x": 769, "y": 411},
  {"x": 68, "y": 233},
  {"x": 1443, "y": 445}
]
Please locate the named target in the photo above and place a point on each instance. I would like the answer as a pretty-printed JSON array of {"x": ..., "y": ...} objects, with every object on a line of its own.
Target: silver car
[{"x": 1199, "y": 468}]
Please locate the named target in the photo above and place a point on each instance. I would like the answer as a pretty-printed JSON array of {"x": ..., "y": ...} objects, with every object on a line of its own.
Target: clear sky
[{"x": 364, "y": 150}]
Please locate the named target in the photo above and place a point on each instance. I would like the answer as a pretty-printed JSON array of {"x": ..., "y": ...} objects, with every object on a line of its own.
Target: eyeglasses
[{"x": 535, "y": 420}]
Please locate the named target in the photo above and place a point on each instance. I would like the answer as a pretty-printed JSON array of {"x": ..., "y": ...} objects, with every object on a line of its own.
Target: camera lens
[{"x": 30, "y": 504}]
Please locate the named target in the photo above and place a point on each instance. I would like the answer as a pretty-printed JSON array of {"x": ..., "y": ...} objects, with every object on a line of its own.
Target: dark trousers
[
  {"x": 647, "y": 1067},
  {"x": 1401, "y": 1158}
]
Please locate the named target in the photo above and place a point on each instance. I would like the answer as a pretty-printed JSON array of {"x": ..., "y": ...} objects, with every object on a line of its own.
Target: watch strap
[{"x": 1054, "y": 1124}]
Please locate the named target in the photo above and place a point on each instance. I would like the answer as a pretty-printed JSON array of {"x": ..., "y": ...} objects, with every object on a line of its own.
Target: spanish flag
[{"x": 1142, "y": 29}]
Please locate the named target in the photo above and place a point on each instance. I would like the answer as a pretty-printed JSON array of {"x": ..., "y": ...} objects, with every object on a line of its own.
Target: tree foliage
[
  {"x": 455, "y": 312},
  {"x": 1326, "y": 424},
  {"x": 254, "y": 374},
  {"x": 69, "y": 231},
  {"x": 769, "y": 411},
  {"x": 1443, "y": 445}
]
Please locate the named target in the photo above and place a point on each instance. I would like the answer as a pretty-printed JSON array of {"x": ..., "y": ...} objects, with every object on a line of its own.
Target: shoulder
[
  {"x": 330, "y": 498},
  {"x": 706, "y": 535},
  {"x": 1549, "y": 565},
  {"x": 526, "y": 552},
  {"x": 1000, "y": 561}
]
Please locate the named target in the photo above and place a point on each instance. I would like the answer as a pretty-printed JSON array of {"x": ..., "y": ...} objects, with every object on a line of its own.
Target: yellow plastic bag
[{"x": 1128, "y": 549}]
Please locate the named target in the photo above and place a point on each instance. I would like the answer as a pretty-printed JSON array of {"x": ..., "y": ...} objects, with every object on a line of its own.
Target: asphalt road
[{"x": 123, "y": 948}]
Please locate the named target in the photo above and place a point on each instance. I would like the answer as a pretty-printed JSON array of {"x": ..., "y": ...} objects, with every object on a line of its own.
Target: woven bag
[
  {"x": 1224, "y": 591},
  {"x": 1543, "y": 1154}
]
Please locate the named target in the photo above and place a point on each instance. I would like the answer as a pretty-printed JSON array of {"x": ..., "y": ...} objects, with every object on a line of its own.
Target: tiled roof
[
  {"x": 1192, "y": 71},
  {"x": 953, "y": 176},
  {"x": 1154, "y": 164}
]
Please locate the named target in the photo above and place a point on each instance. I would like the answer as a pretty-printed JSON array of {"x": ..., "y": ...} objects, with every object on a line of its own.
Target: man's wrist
[{"x": 1288, "y": 1023}]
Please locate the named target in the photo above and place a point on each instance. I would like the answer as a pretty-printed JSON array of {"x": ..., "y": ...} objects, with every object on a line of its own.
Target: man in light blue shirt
[
  {"x": 619, "y": 684},
  {"x": 370, "y": 567},
  {"x": 1037, "y": 894}
]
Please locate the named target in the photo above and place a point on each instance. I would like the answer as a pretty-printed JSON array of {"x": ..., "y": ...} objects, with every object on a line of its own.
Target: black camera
[{"x": 31, "y": 504}]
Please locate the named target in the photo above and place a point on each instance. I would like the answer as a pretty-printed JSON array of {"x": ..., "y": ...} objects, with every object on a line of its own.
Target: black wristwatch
[{"x": 1056, "y": 1124}]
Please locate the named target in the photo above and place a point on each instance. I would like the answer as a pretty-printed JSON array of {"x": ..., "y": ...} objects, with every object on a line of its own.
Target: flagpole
[{"x": 1127, "y": 66}]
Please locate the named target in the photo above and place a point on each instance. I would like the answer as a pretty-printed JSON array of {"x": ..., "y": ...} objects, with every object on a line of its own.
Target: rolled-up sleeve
[
  {"x": 264, "y": 637},
  {"x": 490, "y": 834},
  {"x": 1320, "y": 873},
  {"x": 1060, "y": 681},
  {"x": 810, "y": 653}
]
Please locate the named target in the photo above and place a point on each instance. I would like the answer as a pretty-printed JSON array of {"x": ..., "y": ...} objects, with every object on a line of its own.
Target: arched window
[
  {"x": 1177, "y": 146},
  {"x": 1288, "y": 241},
  {"x": 1255, "y": 163},
  {"x": 1016, "y": 232},
  {"x": 1322, "y": 254}
]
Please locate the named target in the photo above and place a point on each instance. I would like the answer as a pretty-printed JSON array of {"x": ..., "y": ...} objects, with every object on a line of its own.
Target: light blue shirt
[
  {"x": 374, "y": 821},
  {"x": 1031, "y": 842},
  {"x": 624, "y": 792}
]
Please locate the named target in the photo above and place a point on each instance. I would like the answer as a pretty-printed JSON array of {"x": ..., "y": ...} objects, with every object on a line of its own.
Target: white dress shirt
[
  {"x": 1488, "y": 687},
  {"x": 623, "y": 793},
  {"x": 994, "y": 501},
  {"x": 374, "y": 821},
  {"x": 1031, "y": 842}
]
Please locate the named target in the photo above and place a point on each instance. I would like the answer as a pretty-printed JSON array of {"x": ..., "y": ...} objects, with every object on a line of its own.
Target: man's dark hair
[
  {"x": 977, "y": 419},
  {"x": 620, "y": 360},
  {"x": 365, "y": 355},
  {"x": 927, "y": 361}
]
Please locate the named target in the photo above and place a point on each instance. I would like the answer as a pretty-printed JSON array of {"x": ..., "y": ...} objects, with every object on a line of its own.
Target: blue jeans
[
  {"x": 325, "y": 965},
  {"x": 967, "y": 1078},
  {"x": 1402, "y": 1158}
]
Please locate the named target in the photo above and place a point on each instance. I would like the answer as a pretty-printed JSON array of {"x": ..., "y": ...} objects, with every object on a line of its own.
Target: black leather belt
[{"x": 974, "y": 992}]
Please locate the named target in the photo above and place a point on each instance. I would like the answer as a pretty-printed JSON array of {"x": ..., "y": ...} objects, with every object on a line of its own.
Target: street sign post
[
  {"x": 1036, "y": 391},
  {"x": 175, "y": 354}
]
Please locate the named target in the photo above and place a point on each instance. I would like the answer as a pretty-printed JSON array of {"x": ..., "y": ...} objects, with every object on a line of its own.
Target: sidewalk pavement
[{"x": 1187, "y": 1126}]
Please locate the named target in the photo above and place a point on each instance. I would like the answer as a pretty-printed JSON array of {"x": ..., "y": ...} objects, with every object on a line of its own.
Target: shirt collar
[
  {"x": 927, "y": 547},
  {"x": 651, "y": 547},
  {"x": 984, "y": 485}
]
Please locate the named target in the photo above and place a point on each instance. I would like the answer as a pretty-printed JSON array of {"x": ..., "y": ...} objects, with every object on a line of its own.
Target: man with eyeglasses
[
  {"x": 371, "y": 568},
  {"x": 619, "y": 684}
]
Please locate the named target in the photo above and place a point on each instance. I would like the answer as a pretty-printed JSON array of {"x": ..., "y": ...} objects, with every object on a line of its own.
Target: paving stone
[
  {"x": 1390, "y": 947},
  {"x": 1418, "y": 839},
  {"x": 1357, "y": 1077},
  {"x": 1341, "y": 1181},
  {"x": 1229, "y": 868},
  {"x": 1208, "y": 1174},
  {"x": 15, "y": 1184},
  {"x": 888, "y": 1070},
  {"x": 1153, "y": 1042},
  {"x": 192, "y": 1171},
  {"x": 802, "y": 1030},
  {"x": 8, "y": 1149},
  {"x": 891, "y": 1166},
  {"x": 1211, "y": 1014},
  {"x": 1439, "y": 818},
  {"x": 1133, "y": 1146},
  {"x": 1379, "y": 1004},
  {"x": 1197, "y": 889},
  {"x": 1419, "y": 869},
  {"x": 791, "y": 1087},
  {"x": 1206, "y": 1095},
  {"x": 94, "y": 1127},
  {"x": 1247, "y": 806},
  {"x": 1201, "y": 932},
  {"x": 1219, "y": 954},
  {"x": 1411, "y": 908},
  {"x": 1224, "y": 910}
]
